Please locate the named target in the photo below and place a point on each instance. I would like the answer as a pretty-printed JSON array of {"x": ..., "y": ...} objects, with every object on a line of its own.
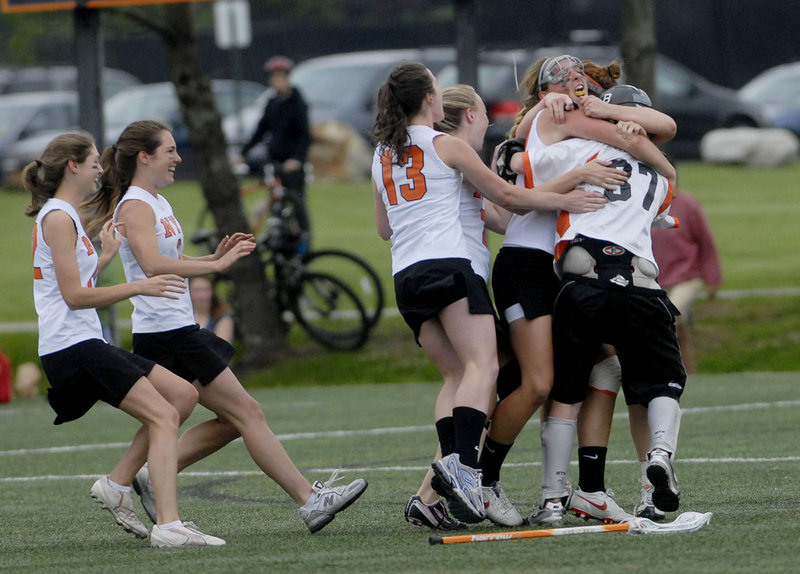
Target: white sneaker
[
  {"x": 599, "y": 505},
  {"x": 548, "y": 514},
  {"x": 184, "y": 536},
  {"x": 666, "y": 496},
  {"x": 143, "y": 487},
  {"x": 498, "y": 507},
  {"x": 461, "y": 486},
  {"x": 327, "y": 500},
  {"x": 119, "y": 505},
  {"x": 646, "y": 508}
]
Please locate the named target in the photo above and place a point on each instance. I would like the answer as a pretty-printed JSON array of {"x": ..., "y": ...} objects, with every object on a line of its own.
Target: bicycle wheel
[
  {"x": 329, "y": 311},
  {"x": 356, "y": 273}
]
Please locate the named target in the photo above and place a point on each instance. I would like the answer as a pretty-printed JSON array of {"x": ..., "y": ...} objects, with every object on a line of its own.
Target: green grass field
[{"x": 735, "y": 460}]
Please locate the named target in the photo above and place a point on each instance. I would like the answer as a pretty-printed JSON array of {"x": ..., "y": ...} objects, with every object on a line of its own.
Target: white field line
[{"x": 399, "y": 430}]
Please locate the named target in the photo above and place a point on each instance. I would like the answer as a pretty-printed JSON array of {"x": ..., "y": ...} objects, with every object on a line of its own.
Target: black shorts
[
  {"x": 638, "y": 322},
  {"x": 192, "y": 353},
  {"x": 425, "y": 288},
  {"x": 88, "y": 372},
  {"x": 526, "y": 277}
]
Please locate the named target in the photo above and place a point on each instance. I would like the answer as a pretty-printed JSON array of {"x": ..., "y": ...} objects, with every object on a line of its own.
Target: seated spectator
[{"x": 210, "y": 311}]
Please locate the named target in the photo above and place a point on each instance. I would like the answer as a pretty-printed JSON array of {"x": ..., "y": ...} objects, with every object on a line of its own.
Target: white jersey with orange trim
[
  {"x": 59, "y": 326},
  {"x": 473, "y": 222},
  {"x": 535, "y": 229},
  {"x": 156, "y": 314},
  {"x": 422, "y": 199},
  {"x": 631, "y": 209}
]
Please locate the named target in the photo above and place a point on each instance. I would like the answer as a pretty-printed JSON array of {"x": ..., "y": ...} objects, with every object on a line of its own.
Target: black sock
[
  {"x": 446, "y": 431},
  {"x": 468, "y": 423},
  {"x": 492, "y": 456},
  {"x": 592, "y": 468}
]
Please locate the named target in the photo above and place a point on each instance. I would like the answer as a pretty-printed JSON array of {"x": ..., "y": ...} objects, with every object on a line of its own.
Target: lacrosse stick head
[{"x": 685, "y": 522}]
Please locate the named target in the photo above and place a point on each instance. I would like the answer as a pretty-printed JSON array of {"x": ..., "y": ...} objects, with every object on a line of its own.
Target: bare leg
[
  {"x": 226, "y": 397},
  {"x": 161, "y": 421}
]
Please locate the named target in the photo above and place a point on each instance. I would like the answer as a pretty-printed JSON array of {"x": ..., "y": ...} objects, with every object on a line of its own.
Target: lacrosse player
[
  {"x": 417, "y": 184},
  {"x": 523, "y": 279}
]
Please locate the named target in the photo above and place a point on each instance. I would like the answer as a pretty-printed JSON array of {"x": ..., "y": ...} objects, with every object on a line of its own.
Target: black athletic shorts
[
  {"x": 524, "y": 276},
  {"x": 425, "y": 288},
  {"x": 638, "y": 322},
  {"x": 88, "y": 372},
  {"x": 192, "y": 353}
]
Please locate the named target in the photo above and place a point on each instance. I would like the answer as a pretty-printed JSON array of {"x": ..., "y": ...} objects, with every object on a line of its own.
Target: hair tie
[{"x": 39, "y": 163}]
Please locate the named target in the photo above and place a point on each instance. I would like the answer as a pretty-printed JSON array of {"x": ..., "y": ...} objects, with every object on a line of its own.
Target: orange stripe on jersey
[
  {"x": 526, "y": 164},
  {"x": 37, "y": 273},
  {"x": 667, "y": 199}
]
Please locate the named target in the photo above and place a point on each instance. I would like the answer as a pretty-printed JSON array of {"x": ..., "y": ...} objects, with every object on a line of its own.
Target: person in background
[
  {"x": 687, "y": 258},
  {"x": 284, "y": 128},
  {"x": 210, "y": 311}
]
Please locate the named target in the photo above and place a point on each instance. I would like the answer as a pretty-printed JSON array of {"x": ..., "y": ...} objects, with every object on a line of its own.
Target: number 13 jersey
[{"x": 422, "y": 198}]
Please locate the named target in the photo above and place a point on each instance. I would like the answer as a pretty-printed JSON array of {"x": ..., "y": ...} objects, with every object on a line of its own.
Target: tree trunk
[
  {"x": 639, "y": 44},
  {"x": 258, "y": 321}
]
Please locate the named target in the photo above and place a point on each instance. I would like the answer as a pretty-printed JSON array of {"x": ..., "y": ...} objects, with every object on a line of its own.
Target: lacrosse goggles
[{"x": 557, "y": 69}]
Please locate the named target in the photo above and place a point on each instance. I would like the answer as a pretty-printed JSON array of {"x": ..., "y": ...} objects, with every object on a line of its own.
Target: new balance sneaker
[
  {"x": 119, "y": 505},
  {"x": 431, "y": 515},
  {"x": 498, "y": 507},
  {"x": 548, "y": 514},
  {"x": 646, "y": 508},
  {"x": 327, "y": 500},
  {"x": 185, "y": 536},
  {"x": 599, "y": 505},
  {"x": 143, "y": 487},
  {"x": 461, "y": 486},
  {"x": 666, "y": 496}
]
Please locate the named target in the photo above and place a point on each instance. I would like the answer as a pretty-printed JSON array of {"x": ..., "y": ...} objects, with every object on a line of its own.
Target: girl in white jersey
[
  {"x": 417, "y": 176},
  {"x": 80, "y": 365},
  {"x": 523, "y": 279},
  {"x": 142, "y": 162}
]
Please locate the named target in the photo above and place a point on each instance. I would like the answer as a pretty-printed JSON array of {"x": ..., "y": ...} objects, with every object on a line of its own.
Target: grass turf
[{"x": 735, "y": 460}]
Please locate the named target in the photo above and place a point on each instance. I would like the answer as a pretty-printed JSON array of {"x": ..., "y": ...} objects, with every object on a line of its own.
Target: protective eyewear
[{"x": 557, "y": 69}]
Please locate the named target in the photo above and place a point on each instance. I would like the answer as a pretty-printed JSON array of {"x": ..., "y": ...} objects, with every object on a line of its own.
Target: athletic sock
[
  {"x": 492, "y": 457},
  {"x": 468, "y": 424},
  {"x": 592, "y": 468},
  {"x": 169, "y": 525},
  {"x": 446, "y": 431},
  {"x": 663, "y": 416},
  {"x": 558, "y": 436},
  {"x": 118, "y": 487}
]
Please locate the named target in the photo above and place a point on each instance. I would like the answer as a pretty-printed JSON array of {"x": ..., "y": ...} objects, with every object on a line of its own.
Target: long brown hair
[
  {"x": 43, "y": 176},
  {"x": 119, "y": 166},
  {"x": 399, "y": 99}
]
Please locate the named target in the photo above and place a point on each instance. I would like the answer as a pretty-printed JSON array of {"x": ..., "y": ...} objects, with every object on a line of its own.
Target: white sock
[
  {"x": 663, "y": 417},
  {"x": 558, "y": 436},
  {"x": 169, "y": 525},
  {"x": 118, "y": 487}
]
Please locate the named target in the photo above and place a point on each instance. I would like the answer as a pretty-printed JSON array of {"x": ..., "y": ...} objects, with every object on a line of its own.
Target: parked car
[
  {"x": 344, "y": 87},
  {"x": 14, "y": 80},
  {"x": 777, "y": 91},
  {"x": 24, "y": 116},
  {"x": 697, "y": 105},
  {"x": 159, "y": 102}
]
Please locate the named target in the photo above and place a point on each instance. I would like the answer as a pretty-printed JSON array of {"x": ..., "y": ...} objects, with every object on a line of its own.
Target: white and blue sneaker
[
  {"x": 461, "y": 486},
  {"x": 327, "y": 500}
]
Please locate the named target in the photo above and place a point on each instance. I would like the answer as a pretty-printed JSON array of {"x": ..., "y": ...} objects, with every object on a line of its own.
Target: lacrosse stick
[{"x": 686, "y": 522}]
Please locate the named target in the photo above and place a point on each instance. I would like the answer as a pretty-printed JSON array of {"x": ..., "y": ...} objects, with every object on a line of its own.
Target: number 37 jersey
[
  {"x": 422, "y": 199},
  {"x": 631, "y": 209}
]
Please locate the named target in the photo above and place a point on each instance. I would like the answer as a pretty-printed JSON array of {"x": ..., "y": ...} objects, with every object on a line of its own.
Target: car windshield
[
  {"x": 10, "y": 115},
  {"x": 339, "y": 86},
  {"x": 131, "y": 106},
  {"x": 493, "y": 78},
  {"x": 779, "y": 87}
]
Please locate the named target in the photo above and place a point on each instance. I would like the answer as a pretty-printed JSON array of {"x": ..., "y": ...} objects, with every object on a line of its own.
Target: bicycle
[{"x": 335, "y": 295}]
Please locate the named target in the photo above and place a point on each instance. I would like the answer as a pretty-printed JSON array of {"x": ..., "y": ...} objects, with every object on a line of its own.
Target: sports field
[{"x": 738, "y": 458}]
